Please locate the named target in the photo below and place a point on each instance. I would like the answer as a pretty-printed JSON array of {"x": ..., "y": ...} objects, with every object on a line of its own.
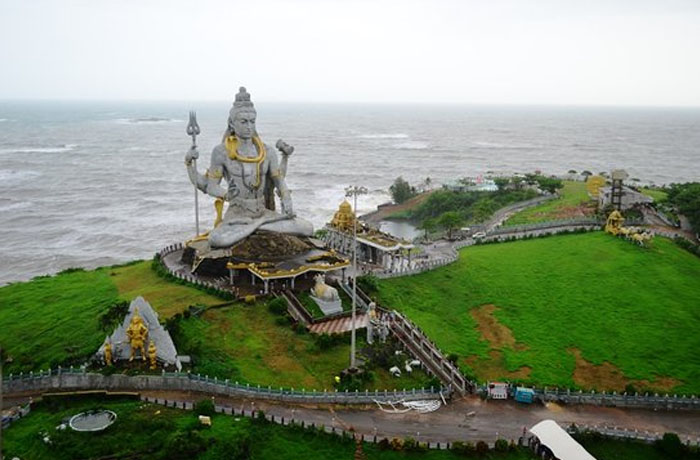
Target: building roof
[{"x": 563, "y": 446}]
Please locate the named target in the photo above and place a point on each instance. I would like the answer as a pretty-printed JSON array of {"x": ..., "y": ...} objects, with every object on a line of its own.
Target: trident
[{"x": 193, "y": 130}]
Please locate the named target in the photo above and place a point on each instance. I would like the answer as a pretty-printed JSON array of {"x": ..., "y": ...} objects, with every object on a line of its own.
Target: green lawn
[
  {"x": 655, "y": 193},
  {"x": 53, "y": 320},
  {"x": 606, "y": 449},
  {"x": 150, "y": 432},
  {"x": 40, "y": 318},
  {"x": 246, "y": 343},
  {"x": 573, "y": 202},
  {"x": 629, "y": 314}
]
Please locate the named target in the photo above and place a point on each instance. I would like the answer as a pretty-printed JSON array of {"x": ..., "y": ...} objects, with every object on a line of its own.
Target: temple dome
[{"x": 344, "y": 218}]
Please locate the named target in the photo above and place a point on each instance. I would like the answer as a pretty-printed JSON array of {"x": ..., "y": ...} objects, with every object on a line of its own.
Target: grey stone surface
[
  {"x": 121, "y": 350},
  {"x": 329, "y": 307},
  {"x": 250, "y": 187}
]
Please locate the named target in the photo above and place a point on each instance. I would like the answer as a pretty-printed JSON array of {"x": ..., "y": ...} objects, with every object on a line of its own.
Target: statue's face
[{"x": 244, "y": 124}]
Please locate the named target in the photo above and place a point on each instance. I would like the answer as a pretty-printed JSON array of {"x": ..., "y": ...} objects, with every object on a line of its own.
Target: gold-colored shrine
[{"x": 344, "y": 218}]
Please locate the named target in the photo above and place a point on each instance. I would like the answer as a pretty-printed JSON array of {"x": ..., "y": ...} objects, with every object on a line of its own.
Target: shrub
[
  {"x": 277, "y": 306},
  {"x": 453, "y": 358},
  {"x": 396, "y": 444},
  {"x": 283, "y": 320},
  {"x": 368, "y": 283},
  {"x": 113, "y": 316},
  {"x": 384, "y": 444},
  {"x": 670, "y": 444},
  {"x": 463, "y": 448},
  {"x": 300, "y": 329},
  {"x": 482, "y": 448},
  {"x": 411, "y": 445},
  {"x": 324, "y": 341},
  {"x": 204, "y": 407},
  {"x": 501, "y": 445}
]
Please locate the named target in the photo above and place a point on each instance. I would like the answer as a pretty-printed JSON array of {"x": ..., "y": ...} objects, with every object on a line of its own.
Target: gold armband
[
  {"x": 275, "y": 173},
  {"x": 214, "y": 175}
]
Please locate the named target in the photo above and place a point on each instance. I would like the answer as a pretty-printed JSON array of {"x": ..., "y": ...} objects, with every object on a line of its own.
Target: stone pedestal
[{"x": 329, "y": 307}]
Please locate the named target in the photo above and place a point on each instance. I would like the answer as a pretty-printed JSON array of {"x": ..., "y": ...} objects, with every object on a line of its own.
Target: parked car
[{"x": 479, "y": 235}]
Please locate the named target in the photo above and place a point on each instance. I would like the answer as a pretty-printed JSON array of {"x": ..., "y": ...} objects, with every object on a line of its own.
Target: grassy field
[
  {"x": 246, "y": 343},
  {"x": 148, "y": 431},
  {"x": 573, "y": 202},
  {"x": 655, "y": 193},
  {"x": 40, "y": 318},
  {"x": 588, "y": 311},
  {"x": 267, "y": 353}
]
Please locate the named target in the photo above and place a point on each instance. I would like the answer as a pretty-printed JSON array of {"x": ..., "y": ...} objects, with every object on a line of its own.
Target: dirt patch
[
  {"x": 570, "y": 212},
  {"x": 498, "y": 335},
  {"x": 607, "y": 376},
  {"x": 386, "y": 211},
  {"x": 494, "y": 367}
]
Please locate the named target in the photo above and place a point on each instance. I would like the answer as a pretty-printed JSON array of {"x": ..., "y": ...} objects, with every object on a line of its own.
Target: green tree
[
  {"x": 401, "y": 190},
  {"x": 501, "y": 182},
  {"x": 450, "y": 221},
  {"x": 549, "y": 184},
  {"x": 428, "y": 225},
  {"x": 686, "y": 199}
]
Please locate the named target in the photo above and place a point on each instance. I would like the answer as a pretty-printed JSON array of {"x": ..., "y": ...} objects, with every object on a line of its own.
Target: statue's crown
[{"x": 242, "y": 100}]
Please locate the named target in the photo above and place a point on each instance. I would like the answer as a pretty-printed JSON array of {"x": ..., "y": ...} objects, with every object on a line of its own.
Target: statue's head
[{"x": 241, "y": 118}]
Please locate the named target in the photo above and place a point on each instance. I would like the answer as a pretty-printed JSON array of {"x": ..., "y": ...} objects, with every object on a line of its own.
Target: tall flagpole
[
  {"x": 354, "y": 191},
  {"x": 193, "y": 130}
]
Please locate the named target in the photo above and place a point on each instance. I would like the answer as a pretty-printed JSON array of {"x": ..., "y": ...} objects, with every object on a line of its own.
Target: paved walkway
[{"x": 468, "y": 419}]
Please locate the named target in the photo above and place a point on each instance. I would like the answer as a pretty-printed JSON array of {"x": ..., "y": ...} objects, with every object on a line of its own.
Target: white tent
[{"x": 563, "y": 446}]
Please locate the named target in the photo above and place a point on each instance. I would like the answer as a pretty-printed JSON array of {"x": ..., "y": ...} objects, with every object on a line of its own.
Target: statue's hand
[
  {"x": 283, "y": 147},
  {"x": 192, "y": 154},
  {"x": 287, "y": 206}
]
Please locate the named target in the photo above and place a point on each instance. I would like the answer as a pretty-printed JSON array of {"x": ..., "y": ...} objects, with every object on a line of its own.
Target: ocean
[{"x": 91, "y": 184}]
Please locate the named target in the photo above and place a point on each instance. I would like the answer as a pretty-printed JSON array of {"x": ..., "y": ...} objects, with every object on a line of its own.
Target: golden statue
[
  {"x": 108, "y": 354},
  {"x": 137, "y": 332},
  {"x": 613, "y": 225},
  {"x": 152, "y": 354},
  {"x": 344, "y": 218}
]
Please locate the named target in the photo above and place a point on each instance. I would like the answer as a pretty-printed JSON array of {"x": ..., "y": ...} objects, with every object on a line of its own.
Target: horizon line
[{"x": 349, "y": 103}]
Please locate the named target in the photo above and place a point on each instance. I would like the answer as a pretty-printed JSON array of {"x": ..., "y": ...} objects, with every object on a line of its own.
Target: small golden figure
[
  {"x": 108, "y": 354},
  {"x": 152, "y": 354},
  {"x": 613, "y": 225},
  {"x": 137, "y": 332}
]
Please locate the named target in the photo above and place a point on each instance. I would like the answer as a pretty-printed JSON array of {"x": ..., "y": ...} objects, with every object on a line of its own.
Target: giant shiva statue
[{"x": 252, "y": 171}]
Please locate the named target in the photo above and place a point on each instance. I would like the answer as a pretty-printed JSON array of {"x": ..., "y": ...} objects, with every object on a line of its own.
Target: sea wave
[
  {"x": 147, "y": 120},
  {"x": 14, "y": 176},
  {"x": 384, "y": 136},
  {"x": 15, "y": 206},
  {"x": 411, "y": 145},
  {"x": 61, "y": 149}
]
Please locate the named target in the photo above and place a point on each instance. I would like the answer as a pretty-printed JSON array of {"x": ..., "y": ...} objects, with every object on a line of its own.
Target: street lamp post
[{"x": 353, "y": 191}]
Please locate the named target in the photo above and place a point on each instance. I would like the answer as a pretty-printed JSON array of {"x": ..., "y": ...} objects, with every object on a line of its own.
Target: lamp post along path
[
  {"x": 193, "y": 130},
  {"x": 354, "y": 191}
]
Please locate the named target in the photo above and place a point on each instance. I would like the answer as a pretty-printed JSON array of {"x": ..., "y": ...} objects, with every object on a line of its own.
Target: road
[{"x": 467, "y": 419}]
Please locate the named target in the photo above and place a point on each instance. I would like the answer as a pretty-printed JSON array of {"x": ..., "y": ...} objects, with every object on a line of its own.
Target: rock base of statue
[
  {"x": 329, "y": 307},
  {"x": 263, "y": 251}
]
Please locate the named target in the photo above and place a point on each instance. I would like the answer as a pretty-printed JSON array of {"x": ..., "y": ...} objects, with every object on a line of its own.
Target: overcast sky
[{"x": 604, "y": 52}]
